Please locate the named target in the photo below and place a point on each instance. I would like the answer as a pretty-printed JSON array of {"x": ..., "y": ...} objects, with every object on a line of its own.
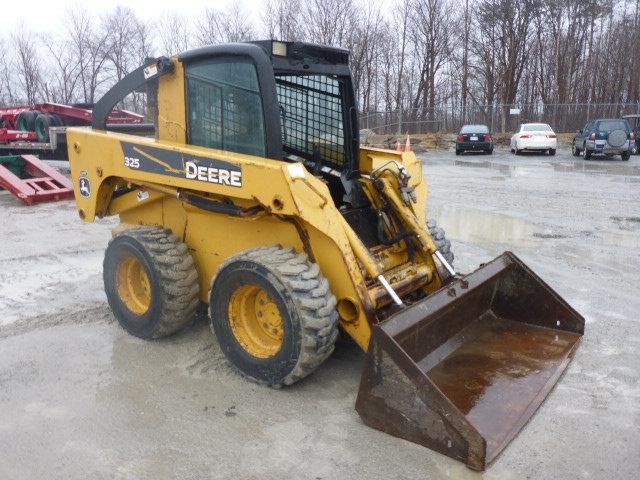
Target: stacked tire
[{"x": 33, "y": 120}]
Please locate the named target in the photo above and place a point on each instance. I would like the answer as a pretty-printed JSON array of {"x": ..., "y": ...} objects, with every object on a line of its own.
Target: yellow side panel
[
  {"x": 343, "y": 274},
  {"x": 172, "y": 111},
  {"x": 212, "y": 238}
]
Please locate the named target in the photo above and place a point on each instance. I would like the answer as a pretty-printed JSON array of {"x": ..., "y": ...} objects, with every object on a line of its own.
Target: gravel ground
[{"x": 81, "y": 399}]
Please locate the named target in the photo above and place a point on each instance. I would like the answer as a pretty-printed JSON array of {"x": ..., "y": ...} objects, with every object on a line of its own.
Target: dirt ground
[
  {"x": 441, "y": 142},
  {"x": 79, "y": 398}
]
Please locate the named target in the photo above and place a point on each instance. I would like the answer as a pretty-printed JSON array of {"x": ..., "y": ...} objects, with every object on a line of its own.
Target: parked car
[
  {"x": 534, "y": 137},
  {"x": 476, "y": 138},
  {"x": 604, "y": 137},
  {"x": 634, "y": 121}
]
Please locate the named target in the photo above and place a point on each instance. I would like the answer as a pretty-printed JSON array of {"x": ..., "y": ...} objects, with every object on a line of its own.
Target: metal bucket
[{"x": 462, "y": 371}]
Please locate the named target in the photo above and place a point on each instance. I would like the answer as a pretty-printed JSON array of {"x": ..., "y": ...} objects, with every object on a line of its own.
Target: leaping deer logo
[{"x": 85, "y": 187}]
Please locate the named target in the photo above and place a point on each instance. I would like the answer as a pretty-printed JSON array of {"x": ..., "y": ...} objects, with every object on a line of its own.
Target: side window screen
[
  {"x": 311, "y": 117},
  {"x": 225, "y": 107}
]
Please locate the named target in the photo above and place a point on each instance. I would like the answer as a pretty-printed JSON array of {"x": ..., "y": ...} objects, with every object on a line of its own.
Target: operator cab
[{"x": 287, "y": 101}]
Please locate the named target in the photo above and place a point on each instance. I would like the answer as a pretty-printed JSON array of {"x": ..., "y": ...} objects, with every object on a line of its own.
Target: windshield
[
  {"x": 474, "y": 129},
  {"x": 536, "y": 127},
  {"x": 611, "y": 125}
]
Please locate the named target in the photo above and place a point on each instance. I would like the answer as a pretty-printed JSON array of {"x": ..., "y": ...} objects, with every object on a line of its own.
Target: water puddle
[
  {"x": 482, "y": 227},
  {"x": 490, "y": 228},
  {"x": 590, "y": 167},
  {"x": 503, "y": 168}
]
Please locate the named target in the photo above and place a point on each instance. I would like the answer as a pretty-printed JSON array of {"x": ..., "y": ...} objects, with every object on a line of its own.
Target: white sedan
[{"x": 538, "y": 137}]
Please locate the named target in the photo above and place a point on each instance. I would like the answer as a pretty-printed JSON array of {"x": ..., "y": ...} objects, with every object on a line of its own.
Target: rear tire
[
  {"x": 552, "y": 152},
  {"x": 286, "y": 326},
  {"x": 625, "y": 156},
  {"x": 575, "y": 150},
  {"x": 458, "y": 152},
  {"x": 150, "y": 281},
  {"x": 489, "y": 152},
  {"x": 439, "y": 236},
  {"x": 586, "y": 153}
]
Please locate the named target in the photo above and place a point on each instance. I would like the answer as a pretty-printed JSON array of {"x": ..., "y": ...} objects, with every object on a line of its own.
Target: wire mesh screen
[{"x": 311, "y": 117}]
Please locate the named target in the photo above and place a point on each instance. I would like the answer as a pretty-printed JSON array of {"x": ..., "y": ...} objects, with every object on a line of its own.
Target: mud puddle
[
  {"x": 611, "y": 167},
  {"x": 488, "y": 228}
]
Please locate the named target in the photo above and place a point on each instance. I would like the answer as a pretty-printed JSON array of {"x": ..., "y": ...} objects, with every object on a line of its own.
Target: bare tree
[
  {"x": 90, "y": 50},
  {"x": 174, "y": 35},
  {"x": 282, "y": 20},
  {"x": 219, "y": 26},
  {"x": 27, "y": 64},
  {"x": 63, "y": 73}
]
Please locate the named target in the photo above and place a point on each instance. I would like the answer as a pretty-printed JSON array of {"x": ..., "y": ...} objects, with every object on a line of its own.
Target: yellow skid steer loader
[{"x": 254, "y": 196}]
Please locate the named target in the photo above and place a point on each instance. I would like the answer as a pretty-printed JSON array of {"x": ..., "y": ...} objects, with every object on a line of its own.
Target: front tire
[
  {"x": 440, "y": 239},
  {"x": 274, "y": 314},
  {"x": 150, "y": 281}
]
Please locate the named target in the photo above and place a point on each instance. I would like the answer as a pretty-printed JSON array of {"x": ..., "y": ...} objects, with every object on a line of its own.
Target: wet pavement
[{"x": 80, "y": 399}]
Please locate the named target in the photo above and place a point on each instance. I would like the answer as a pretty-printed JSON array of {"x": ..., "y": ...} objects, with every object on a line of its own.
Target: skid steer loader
[{"x": 256, "y": 198}]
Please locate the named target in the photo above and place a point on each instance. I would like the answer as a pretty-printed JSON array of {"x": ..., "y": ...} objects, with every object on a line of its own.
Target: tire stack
[{"x": 33, "y": 120}]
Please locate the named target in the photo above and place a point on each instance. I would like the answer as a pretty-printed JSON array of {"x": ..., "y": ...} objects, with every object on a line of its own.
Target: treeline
[{"x": 415, "y": 55}]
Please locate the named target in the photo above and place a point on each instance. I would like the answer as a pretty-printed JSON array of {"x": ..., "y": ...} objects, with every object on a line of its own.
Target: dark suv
[
  {"x": 475, "y": 138},
  {"x": 605, "y": 136},
  {"x": 634, "y": 121}
]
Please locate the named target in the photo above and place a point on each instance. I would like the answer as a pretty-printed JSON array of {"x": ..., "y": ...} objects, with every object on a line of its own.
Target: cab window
[{"x": 225, "y": 107}]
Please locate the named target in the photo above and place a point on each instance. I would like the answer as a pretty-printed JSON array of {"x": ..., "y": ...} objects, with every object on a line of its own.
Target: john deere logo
[{"x": 85, "y": 187}]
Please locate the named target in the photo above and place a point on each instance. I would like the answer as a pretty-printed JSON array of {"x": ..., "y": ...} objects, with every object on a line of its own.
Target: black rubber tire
[
  {"x": 575, "y": 150},
  {"x": 42, "y": 124},
  {"x": 26, "y": 120},
  {"x": 173, "y": 278},
  {"x": 489, "y": 152},
  {"x": 458, "y": 152},
  {"x": 552, "y": 152},
  {"x": 586, "y": 153},
  {"x": 625, "y": 156},
  {"x": 440, "y": 238},
  {"x": 56, "y": 121},
  {"x": 305, "y": 302}
]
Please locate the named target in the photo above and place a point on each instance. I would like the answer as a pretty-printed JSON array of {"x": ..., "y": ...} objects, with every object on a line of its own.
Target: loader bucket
[{"x": 463, "y": 370}]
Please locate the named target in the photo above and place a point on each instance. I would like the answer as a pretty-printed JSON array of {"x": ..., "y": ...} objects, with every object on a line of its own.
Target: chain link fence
[{"x": 563, "y": 118}]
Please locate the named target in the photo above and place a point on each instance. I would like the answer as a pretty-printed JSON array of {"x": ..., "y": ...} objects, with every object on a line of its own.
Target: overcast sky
[{"x": 46, "y": 15}]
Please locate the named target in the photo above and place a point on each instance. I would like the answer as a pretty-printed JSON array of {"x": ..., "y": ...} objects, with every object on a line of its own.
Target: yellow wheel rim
[
  {"x": 134, "y": 287},
  {"x": 256, "y": 321}
]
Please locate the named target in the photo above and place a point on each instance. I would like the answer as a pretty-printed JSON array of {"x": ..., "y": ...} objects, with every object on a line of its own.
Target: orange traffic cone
[
  {"x": 398, "y": 146},
  {"x": 407, "y": 146}
]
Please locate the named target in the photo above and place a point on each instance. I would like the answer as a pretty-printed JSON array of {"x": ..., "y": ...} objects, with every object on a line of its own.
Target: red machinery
[
  {"x": 32, "y": 180},
  {"x": 69, "y": 114}
]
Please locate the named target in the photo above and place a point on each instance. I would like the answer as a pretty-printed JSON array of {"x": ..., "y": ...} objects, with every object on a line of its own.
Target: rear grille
[{"x": 311, "y": 117}]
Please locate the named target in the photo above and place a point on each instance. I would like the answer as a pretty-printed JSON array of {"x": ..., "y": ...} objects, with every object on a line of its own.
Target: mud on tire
[
  {"x": 439, "y": 237},
  {"x": 305, "y": 303},
  {"x": 171, "y": 274}
]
